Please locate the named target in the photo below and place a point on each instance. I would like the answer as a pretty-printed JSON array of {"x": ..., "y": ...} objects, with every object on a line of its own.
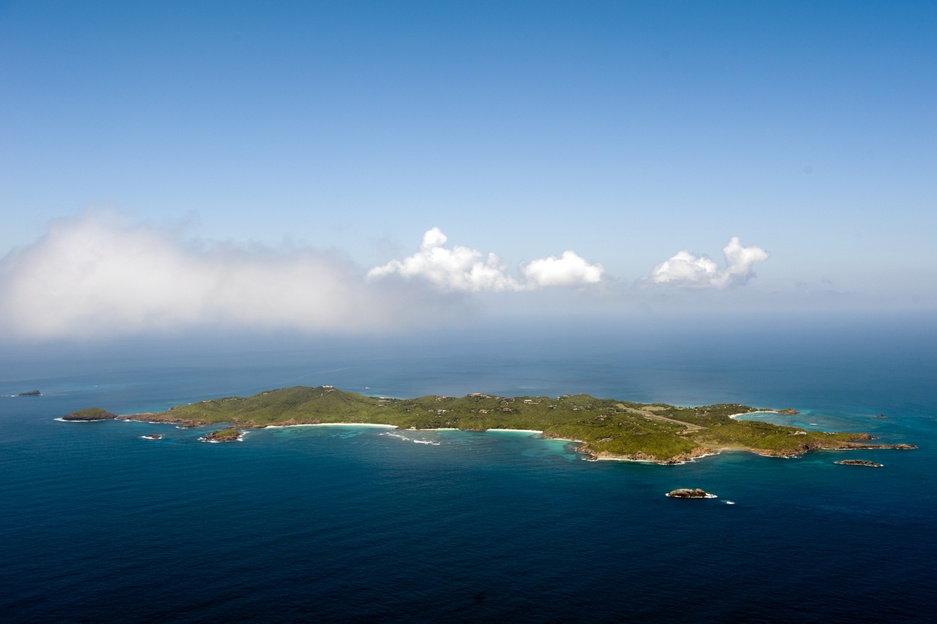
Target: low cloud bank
[
  {"x": 688, "y": 270},
  {"x": 99, "y": 275},
  {"x": 104, "y": 275},
  {"x": 465, "y": 269}
]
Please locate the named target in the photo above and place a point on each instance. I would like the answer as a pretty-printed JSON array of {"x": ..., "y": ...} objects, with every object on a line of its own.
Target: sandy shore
[
  {"x": 518, "y": 430},
  {"x": 338, "y": 424},
  {"x": 736, "y": 416},
  {"x": 437, "y": 429}
]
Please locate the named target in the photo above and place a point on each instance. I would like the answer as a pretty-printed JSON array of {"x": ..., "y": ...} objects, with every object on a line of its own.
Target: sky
[{"x": 371, "y": 167}]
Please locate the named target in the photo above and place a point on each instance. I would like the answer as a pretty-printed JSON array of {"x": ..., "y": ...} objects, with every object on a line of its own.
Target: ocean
[{"x": 368, "y": 524}]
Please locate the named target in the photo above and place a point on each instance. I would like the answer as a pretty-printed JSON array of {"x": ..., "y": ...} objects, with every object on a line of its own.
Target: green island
[
  {"x": 231, "y": 434},
  {"x": 602, "y": 428}
]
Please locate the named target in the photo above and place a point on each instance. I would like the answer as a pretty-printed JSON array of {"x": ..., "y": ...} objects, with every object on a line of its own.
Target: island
[
  {"x": 858, "y": 462},
  {"x": 689, "y": 493},
  {"x": 229, "y": 434},
  {"x": 89, "y": 414},
  {"x": 601, "y": 429}
]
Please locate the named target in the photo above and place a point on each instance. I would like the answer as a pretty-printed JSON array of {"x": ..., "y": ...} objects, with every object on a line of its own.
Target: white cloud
[
  {"x": 569, "y": 270},
  {"x": 686, "y": 269},
  {"x": 456, "y": 269},
  {"x": 102, "y": 275},
  {"x": 466, "y": 269},
  {"x": 739, "y": 261}
]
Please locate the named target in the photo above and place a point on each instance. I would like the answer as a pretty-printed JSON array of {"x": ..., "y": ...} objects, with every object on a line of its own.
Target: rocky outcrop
[
  {"x": 858, "y": 462},
  {"x": 690, "y": 493},
  {"x": 832, "y": 445},
  {"x": 680, "y": 458},
  {"x": 223, "y": 435},
  {"x": 699, "y": 451}
]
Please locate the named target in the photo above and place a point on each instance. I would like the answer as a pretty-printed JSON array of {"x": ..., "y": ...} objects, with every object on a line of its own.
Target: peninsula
[{"x": 602, "y": 428}]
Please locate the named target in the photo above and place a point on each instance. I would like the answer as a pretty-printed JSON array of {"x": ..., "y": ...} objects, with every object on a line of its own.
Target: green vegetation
[
  {"x": 604, "y": 427},
  {"x": 89, "y": 413}
]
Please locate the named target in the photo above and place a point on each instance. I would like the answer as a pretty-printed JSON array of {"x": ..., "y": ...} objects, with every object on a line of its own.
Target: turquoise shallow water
[{"x": 368, "y": 524}]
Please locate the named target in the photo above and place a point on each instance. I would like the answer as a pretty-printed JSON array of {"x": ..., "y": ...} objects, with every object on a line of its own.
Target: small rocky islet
[
  {"x": 231, "y": 434},
  {"x": 689, "y": 493},
  {"x": 858, "y": 462},
  {"x": 90, "y": 414}
]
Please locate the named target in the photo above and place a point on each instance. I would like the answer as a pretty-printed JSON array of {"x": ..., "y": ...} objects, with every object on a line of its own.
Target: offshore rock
[
  {"x": 690, "y": 493},
  {"x": 90, "y": 414},
  {"x": 231, "y": 434},
  {"x": 858, "y": 462}
]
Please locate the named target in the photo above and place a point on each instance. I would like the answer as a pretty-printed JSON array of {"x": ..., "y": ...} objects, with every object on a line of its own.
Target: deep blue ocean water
[{"x": 372, "y": 525}]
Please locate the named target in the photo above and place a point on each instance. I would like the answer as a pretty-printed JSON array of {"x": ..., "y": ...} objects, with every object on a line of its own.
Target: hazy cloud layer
[
  {"x": 686, "y": 269},
  {"x": 464, "y": 269},
  {"x": 101, "y": 274},
  {"x": 105, "y": 275}
]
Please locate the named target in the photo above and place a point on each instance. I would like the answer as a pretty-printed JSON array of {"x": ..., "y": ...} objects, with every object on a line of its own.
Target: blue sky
[{"x": 296, "y": 154}]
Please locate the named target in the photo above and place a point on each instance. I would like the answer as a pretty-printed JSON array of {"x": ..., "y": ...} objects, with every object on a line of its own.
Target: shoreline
[
  {"x": 83, "y": 420},
  {"x": 761, "y": 411},
  {"x": 598, "y": 429},
  {"x": 432, "y": 429},
  {"x": 329, "y": 424},
  {"x": 537, "y": 431},
  {"x": 680, "y": 462},
  {"x": 581, "y": 448}
]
